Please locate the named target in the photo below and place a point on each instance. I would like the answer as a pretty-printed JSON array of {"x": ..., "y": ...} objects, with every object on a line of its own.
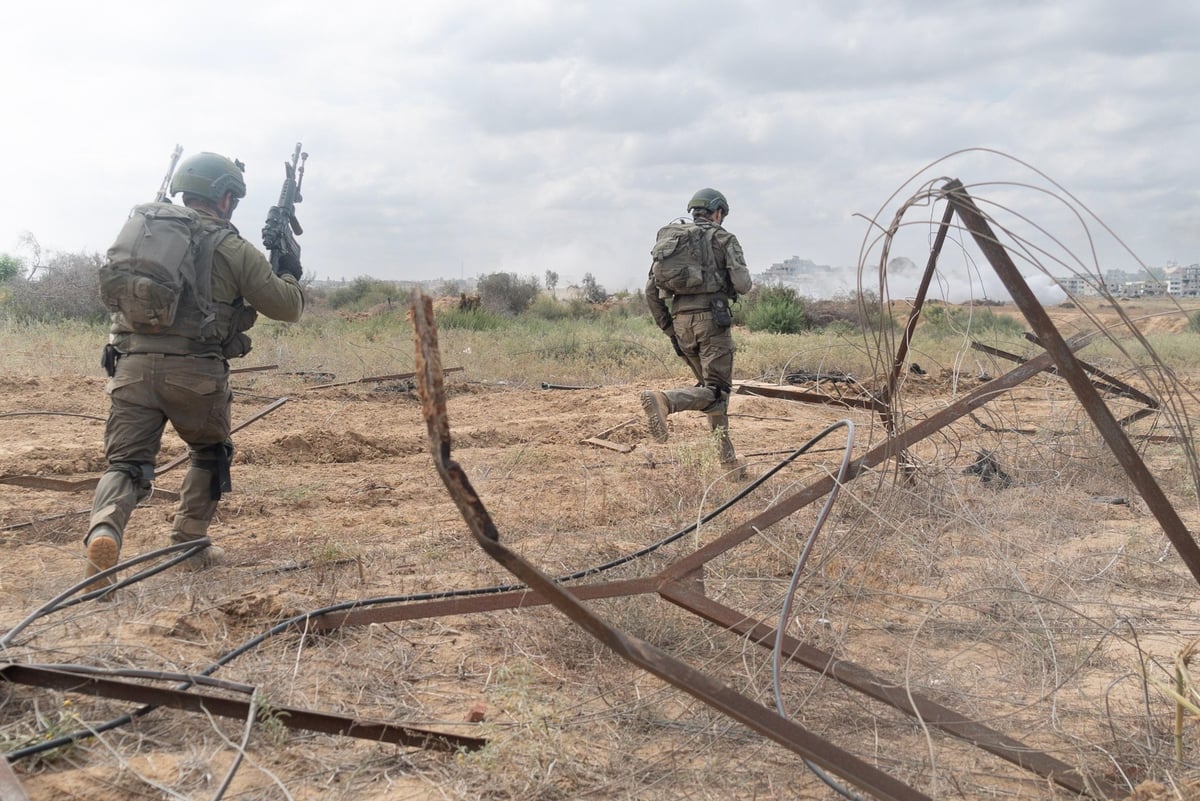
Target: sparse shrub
[
  {"x": 845, "y": 314},
  {"x": 505, "y": 293},
  {"x": 592, "y": 291},
  {"x": 68, "y": 289},
  {"x": 547, "y": 308},
  {"x": 365, "y": 292},
  {"x": 581, "y": 309}
]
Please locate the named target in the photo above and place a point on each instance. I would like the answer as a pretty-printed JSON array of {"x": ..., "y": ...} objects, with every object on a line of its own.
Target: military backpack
[
  {"x": 157, "y": 276},
  {"x": 684, "y": 260}
]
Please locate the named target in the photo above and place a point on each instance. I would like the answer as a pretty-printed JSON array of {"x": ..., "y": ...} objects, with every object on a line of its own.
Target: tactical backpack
[
  {"x": 157, "y": 277},
  {"x": 684, "y": 261}
]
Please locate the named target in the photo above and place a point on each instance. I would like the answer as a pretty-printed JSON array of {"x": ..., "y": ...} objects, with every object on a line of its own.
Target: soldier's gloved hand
[
  {"x": 675, "y": 345},
  {"x": 289, "y": 263},
  {"x": 273, "y": 230}
]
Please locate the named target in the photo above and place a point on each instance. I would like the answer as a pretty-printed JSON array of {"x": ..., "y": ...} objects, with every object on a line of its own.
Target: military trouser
[
  {"x": 146, "y": 391},
  {"x": 708, "y": 349}
]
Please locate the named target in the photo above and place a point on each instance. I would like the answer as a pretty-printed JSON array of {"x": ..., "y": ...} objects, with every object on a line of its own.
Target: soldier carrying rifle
[{"x": 183, "y": 287}]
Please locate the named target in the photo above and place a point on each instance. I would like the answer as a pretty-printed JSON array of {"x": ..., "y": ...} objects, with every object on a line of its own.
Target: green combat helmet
[
  {"x": 710, "y": 200},
  {"x": 209, "y": 175}
]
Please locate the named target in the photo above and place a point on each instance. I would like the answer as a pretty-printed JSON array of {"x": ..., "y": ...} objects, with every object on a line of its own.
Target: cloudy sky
[{"x": 459, "y": 138}]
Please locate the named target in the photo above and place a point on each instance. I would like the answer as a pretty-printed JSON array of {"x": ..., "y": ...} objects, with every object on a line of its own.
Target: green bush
[
  {"x": 774, "y": 309},
  {"x": 940, "y": 321},
  {"x": 10, "y": 267},
  {"x": 67, "y": 289}
]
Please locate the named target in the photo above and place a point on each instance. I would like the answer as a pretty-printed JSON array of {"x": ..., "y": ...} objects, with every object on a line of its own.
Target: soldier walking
[{"x": 698, "y": 270}]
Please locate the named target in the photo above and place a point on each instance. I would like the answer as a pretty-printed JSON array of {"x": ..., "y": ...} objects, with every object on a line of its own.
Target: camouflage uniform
[
  {"x": 706, "y": 346},
  {"x": 161, "y": 377}
]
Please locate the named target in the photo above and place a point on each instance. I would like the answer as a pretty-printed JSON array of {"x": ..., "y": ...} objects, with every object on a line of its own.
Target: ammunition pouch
[
  {"x": 237, "y": 346},
  {"x": 241, "y": 319},
  {"x": 722, "y": 316}
]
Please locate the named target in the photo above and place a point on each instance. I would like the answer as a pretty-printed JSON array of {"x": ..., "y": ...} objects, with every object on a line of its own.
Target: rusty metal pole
[
  {"x": 889, "y": 419},
  {"x": 1076, "y": 376}
]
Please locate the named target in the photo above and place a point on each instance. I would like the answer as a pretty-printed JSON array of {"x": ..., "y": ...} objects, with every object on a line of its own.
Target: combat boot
[
  {"x": 211, "y": 556},
  {"x": 203, "y": 559},
  {"x": 657, "y": 408},
  {"x": 103, "y": 550},
  {"x": 718, "y": 423}
]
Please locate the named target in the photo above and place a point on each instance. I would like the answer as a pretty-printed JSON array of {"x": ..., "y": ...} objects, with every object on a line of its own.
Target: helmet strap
[{"x": 226, "y": 205}]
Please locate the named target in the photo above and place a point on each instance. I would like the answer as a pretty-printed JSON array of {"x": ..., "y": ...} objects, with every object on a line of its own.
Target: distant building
[
  {"x": 1143, "y": 289},
  {"x": 1155, "y": 282},
  {"x": 1184, "y": 282},
  {"x": 807, "y": 278},
  {"x": 1078, "y": 286}
]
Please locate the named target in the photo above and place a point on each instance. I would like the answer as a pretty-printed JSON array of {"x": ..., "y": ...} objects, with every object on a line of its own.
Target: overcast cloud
[{"x": 459, "y": 138}]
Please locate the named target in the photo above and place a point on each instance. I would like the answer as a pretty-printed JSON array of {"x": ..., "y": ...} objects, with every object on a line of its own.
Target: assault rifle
[
  {"x": 163, "y": 195},
  {"x": 281, "y": 224}
]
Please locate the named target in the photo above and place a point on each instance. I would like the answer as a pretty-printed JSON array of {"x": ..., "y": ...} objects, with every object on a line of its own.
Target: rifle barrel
[{"x": 165, "y": 186}]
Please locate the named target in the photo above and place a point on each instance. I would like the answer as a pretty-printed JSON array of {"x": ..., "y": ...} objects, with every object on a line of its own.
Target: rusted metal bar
[
  {"x": 73, "y": 485},
  {"x": 468, "y": 605},
  {"x": 194, "y": 701},
  {"x": 1135, "y": 416},
  {"x": 617, "y": 427},
  {"x": 639, "y": 652},
  {"x": 895, "y": 695},
  {"x": 793, "y": 394},
  {"x": 999, "y": 430},
  {"x": 546, "y": 385},
  {"x": 257, "y": 369},
  {"x": 47, "y": 519},
  {"x": 1102, "y": 381},
  {"x": 619, "y": 447},
  {"x": 889, "y": 391},
  {"x": 369, "y": 379},
  {"x": 48, "y": 483},
  {"x": 1156, "y": 438},
  {"x": 881, "y": 453},
  {"x": 1075, "y": 375},
  {"x": 1103, "y": 386},
  {"x": 1118, "y": 386}
]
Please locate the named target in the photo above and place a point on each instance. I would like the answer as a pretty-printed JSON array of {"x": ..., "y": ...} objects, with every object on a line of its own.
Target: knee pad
[
  {"x": 140, "y": 473},
  {"x": 719, "y": 390}
]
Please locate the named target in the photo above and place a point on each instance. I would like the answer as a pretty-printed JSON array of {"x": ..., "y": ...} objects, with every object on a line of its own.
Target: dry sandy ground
[{"x": 336, "y": 499}]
